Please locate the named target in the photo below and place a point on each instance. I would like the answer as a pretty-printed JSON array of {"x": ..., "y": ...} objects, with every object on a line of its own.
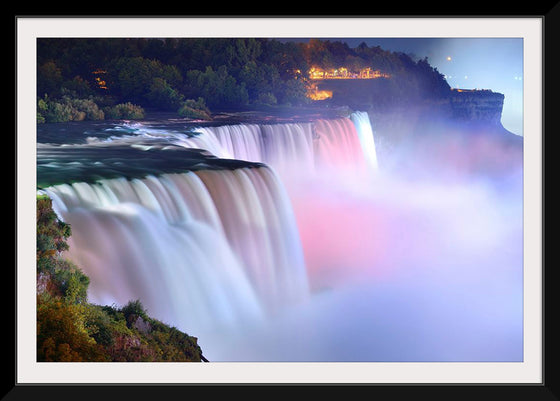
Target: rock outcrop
[{"x": 476, "y": 105}]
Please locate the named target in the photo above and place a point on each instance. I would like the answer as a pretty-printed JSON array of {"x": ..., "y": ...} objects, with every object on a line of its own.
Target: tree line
[{"x": 96, "y": 78}]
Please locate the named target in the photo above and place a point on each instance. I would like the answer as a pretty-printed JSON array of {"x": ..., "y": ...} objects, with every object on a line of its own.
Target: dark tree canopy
[{"x": 162, "y": 74}]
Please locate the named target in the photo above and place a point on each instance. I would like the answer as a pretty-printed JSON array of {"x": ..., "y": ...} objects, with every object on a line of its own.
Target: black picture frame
[{"x": 548, "y": 390}]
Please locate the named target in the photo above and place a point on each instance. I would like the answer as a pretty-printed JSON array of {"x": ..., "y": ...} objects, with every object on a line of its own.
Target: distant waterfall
[
  {"x": 365, "y": 134},
  {"x": 198, "y": 248}
]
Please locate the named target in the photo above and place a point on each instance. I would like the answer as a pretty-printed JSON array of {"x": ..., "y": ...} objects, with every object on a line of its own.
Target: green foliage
[
  {"x": 62, "y": 335},
  {"x": 58, "y": 112},
  {"x": 217, "y": 87},
  {"x": 78, "y": 88},
  {"x": 133, "y": 310},
  {"x": 124, "y": 111},
  {"x": 87, "y": 107},
  {"x": 105, "y": 324},
  {"x": 69, "y": 329},
  {"x": 196, "y": 109},
  {"x": 49, "y": 79},
  {"x": 68, "y": 108},
  {"x": 293, "y": 92},
  {"x": 134, "y": 77},
  {"x": 267, "y": 98},
  {"x": 163, "y": 95},
  {"x": 65, "y": 279},
  {"x": 42, "y": 108},
  {"x": 262, "y": 82},
  {"x": 51, "y": 232},
  {"x": 72, "y": 283}
]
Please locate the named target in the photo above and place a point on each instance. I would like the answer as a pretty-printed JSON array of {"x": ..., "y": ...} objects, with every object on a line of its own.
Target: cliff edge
[{"x": 476, "y": 105}]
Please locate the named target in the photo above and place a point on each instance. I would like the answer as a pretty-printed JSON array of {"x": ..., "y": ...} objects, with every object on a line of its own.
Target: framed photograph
[{"x": 281, "y": 201}]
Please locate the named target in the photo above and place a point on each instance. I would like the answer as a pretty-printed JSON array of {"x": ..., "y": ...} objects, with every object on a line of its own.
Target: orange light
[
  {"x": 320, "y": 95},
  {"x": 344, "y": 73}
]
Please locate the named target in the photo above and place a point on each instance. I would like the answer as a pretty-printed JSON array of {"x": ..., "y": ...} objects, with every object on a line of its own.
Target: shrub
[
  {"x": 42, "y": 108},
  {"x": 125, "y": 111},
  {"x": 133, "y": 309},
  {"x": 72, "y": 282},
  {"x": 51, "y": 232},
  {"x": 61, "y": 334},
  {"x": 104, "y": 324},
  {"x": 62, "y": 112},
  {"x": 89, "y": 109},
  {"x": 195, "y": 109},
  {"x": 67, "y": 109}
]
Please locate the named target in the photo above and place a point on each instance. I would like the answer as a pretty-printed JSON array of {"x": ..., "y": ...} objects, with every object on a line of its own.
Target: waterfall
[
  {"x": 198, "y": 249},
  {"x": 365, "y": 134},
  {"x": 207, "y": 246},
  {"x": 342, "y": 143},
  {"x": 285, "y": 147}
]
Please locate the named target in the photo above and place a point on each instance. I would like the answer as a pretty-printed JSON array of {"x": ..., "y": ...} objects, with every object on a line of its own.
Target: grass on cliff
[{"x": 70, "y": 329}]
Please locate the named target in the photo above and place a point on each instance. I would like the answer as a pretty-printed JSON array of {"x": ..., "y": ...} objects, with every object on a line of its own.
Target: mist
[{"x": 417, "y": 261}]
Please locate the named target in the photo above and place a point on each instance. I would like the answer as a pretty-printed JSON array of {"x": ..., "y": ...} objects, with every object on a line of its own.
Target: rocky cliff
[{"x": 476, "y": 105}]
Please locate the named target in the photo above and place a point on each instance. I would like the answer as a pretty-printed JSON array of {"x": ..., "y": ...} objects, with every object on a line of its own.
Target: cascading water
[
  {"x": 365, "y": 133},
  {"x": 275, "y": 242},
  {"x": 295, "y": 148},
  {"x": 199, "y": 247},
  {"x": 206, "y": 247}
]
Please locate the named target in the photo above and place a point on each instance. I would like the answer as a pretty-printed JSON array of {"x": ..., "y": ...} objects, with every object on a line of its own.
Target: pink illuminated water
[{"x": 320, "y": 256}]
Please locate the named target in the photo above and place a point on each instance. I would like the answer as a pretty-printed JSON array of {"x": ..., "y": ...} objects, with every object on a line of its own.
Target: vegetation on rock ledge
[{"x": 70, "y": 329}]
